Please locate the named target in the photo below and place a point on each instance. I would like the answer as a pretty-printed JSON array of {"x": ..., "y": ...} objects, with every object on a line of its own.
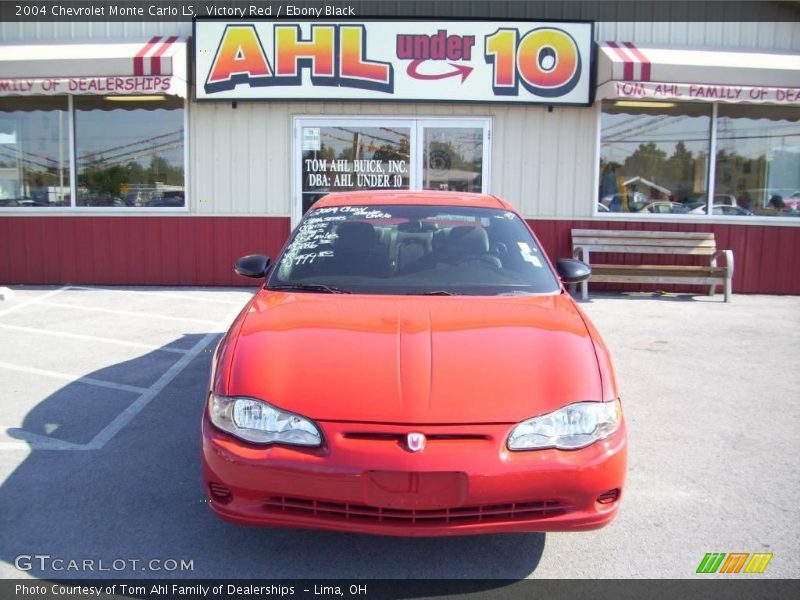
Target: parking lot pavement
[{"x": 99, "y": 445}]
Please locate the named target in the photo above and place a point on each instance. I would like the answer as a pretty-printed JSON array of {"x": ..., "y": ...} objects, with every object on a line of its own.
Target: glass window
[
  {"x": 34, "y": 151},
  {"x": 758, "y": 160},
  {"x": 129, "y": 151},
  {"x": 340, "y": 154},
  {"x": 654, "y": 157},
  {"x": 413, "y": 249},
  {"x": 347, "y": 158},
  {"x": 453, "y": 159}
]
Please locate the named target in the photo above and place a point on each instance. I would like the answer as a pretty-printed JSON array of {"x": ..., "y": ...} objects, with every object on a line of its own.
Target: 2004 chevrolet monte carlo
[{"x": 414, "y": 366}]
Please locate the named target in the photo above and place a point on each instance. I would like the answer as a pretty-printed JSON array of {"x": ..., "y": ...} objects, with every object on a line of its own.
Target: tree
[
  {"x": 160, "y": 170},
  {"x": 103, "y": 179},
  {"x": 647, "y": 161},
  {"x": 679, "y": 173}
]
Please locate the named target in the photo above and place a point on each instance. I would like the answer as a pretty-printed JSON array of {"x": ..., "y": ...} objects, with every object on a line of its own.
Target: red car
[{"x": 414, "y": 366}]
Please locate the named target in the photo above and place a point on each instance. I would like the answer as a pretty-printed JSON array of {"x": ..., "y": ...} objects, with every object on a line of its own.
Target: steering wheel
[
  {"x": 500, "y": 250},
  {"x": 488, "y": 259}
]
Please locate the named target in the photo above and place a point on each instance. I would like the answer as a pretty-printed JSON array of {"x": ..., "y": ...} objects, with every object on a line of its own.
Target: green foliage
[
  {"x": 647, "y": 161},
  {"x": 100, "y": 178}
]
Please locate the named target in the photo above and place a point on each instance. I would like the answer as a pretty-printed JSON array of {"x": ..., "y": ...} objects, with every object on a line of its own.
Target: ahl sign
[{"x": 496, "y": 61}]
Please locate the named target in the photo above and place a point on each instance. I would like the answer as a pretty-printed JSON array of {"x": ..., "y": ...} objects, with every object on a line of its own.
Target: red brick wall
[
  {"x": 190, "y": 250},
  {"x": 766, "y": 257},
  {"x": 174, "y": 250}
]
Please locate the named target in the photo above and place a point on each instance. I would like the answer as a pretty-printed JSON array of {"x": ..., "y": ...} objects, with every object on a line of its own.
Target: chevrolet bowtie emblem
[{"x": 416, "y": 441}]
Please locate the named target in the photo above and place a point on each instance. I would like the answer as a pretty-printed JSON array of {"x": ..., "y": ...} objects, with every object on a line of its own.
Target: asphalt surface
[{"x": 99, "y": 446}]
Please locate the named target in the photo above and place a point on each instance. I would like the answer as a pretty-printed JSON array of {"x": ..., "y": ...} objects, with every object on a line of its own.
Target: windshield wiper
[
  {"x": 515, "y": 293},
  {"x": 309, "y": 287},
  {"x": 431, "y": 293}
]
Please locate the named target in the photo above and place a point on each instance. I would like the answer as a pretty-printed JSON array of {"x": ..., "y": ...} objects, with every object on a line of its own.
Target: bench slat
[
  {"x": 701, "y": 250},
  {"x": 627, "y": 241},
  {"x": 690, "y": 235},
  {"x": 657, "y": 270},
  {"x": 656, "y": 279}
]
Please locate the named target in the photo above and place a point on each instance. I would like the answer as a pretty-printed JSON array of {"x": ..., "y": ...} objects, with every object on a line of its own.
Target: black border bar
[
  {"x": 727, "y": 588},
  {"x": 601, "y": 10}
]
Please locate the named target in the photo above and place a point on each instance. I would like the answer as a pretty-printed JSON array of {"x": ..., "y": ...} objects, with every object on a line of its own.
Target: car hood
[{"x": 414, "y": 359}]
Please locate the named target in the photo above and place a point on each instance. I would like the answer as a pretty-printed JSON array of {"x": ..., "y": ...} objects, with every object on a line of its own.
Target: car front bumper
[{"x": 365, "y": 480}]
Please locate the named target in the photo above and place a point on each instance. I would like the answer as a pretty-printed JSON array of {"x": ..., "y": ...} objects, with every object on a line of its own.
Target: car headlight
[
  {"x": 568, "y": 428},
  {"x": 260, "y": 423}
]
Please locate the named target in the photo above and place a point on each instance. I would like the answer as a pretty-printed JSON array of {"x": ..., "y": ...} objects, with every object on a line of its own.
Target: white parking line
[
  {"x": 126, "y": 313},
  {"x": 92, "y": 338},
  {"x": 32, "y": 441},
  {"x": 74, "y": 378},
  {"x": 102, "y": 438},
  {"x": 31, "y": 301},
  {"x": 156, "y": 293}
]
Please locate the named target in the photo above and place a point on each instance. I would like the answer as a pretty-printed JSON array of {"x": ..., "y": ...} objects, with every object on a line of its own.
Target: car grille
[
  {"x": 400, "y": 437},
  {"x": 515, "y": 511}
]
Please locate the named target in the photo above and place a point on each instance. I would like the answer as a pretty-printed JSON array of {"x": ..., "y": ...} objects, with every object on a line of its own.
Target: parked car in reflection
[
  {"x": 719, "y": 199},
  {"x": 699, "y": 208},
  {"x": 101, "y": 199},
  {"x": 31, "y": 201},
  {"x": 167, "y": 199},
  {"x": 730, "y": 210},
  {"x": 138, "y": 197},
  {"x": 618, "y": 202},
  {"x": 664, "y": 208}
]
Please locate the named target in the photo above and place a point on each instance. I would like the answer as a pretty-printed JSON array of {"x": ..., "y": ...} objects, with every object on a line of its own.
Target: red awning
[
  {"x": 627, "y": 70},
  {"x": 133, "y": 67}
]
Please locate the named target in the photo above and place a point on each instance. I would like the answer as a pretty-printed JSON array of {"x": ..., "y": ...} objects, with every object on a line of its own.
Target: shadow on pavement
[
  {"x": 659, "y": 296},
  {"x": 141, "y": 497}
]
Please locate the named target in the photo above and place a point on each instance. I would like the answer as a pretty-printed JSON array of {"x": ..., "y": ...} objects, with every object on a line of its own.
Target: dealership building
[{"x": 156, "y": 153}]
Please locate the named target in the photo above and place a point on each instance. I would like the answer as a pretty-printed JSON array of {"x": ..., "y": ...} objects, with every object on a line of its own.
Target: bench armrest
[
  {"x": 580, "y": 253},
  {"x": 728, "y": 254}
]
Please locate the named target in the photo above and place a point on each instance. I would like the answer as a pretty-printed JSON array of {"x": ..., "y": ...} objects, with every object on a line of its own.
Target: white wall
[
  {"x": 759, "y": 35},
  {"x": 79, "y": 30},
  {"x": 240, "y": 159}
]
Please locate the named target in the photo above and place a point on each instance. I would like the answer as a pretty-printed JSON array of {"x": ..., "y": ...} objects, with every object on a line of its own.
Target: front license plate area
[{"x": 415, "y": 491}]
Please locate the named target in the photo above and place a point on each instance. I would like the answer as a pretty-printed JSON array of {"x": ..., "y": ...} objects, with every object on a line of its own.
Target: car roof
[{"x": 433, "y": 198}]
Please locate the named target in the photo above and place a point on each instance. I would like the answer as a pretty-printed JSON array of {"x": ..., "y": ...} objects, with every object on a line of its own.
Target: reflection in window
[
  {"x": 414, "y": 249},
  {"x": 758, "y": 160},
  {"x": 347, "y": 158},
  {"x": 653, "y": 157},
  {"x": 453, "y": 158},
  {"x": 129, "y": 151},
  {"x": 34, "y": 151}
]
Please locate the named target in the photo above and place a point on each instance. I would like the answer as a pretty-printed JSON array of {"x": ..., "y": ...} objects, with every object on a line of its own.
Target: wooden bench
[{"x": 587, "y": 241}]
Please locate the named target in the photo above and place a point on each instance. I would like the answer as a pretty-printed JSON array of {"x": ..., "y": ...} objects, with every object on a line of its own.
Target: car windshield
[{"x": 413, "y": 249}]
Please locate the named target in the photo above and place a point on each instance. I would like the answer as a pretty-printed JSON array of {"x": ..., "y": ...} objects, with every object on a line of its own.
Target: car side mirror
[
  {"x": 572, "y": 271},
  {"x": 252, "y": 265}
]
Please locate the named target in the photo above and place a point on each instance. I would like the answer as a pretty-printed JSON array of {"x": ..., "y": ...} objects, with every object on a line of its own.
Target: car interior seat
[
  {"x": 412, "y": 242},
  {"x": 356, "y": 251},
  {"x": 467, "y": 243}
]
